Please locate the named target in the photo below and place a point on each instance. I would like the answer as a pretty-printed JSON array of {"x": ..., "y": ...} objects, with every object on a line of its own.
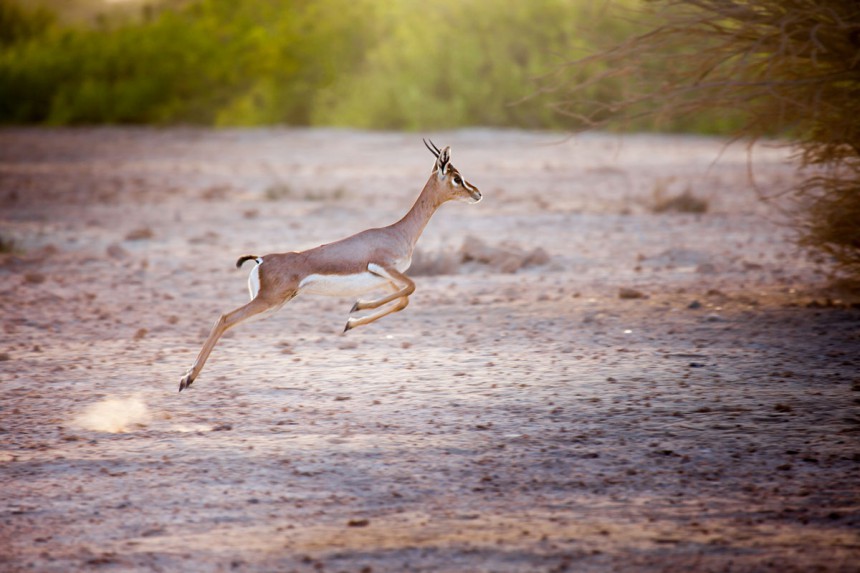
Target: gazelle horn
[{"x": 434, "y": 150}]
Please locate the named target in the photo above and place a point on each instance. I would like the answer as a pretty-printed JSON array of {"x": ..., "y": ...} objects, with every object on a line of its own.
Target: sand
[{"x": 578, "y": 384}]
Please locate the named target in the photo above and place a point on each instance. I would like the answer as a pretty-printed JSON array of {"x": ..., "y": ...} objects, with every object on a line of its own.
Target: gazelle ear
[{"x": 444, "y": 160}]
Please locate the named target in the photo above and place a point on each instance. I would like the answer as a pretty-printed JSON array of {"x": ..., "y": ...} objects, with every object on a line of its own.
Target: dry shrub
[
  {"x": 684, "y": 202},
  {"x": 7, "y": 244},
  {"x": 434, "y": 264},
  {"x": 833, "y": 222},
  {"x": 788, "y": 68},
  {"x": 505, "y": 258}
]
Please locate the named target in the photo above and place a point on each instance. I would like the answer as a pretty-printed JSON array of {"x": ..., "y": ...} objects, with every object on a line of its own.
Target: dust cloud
[{"x": 114, "y": 415}]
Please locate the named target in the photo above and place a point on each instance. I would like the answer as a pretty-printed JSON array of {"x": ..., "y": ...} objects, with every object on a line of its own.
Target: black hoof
[
  {"x": 354, "y": 307},
  {"x": 185, "y": 382}
]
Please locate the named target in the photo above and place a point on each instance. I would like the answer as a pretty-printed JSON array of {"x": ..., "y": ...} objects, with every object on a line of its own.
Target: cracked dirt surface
[{"x": 653, "y": 392}]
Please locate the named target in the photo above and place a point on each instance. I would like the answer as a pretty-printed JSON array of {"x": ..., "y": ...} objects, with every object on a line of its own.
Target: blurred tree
[
  {"x": 18, "y": 24},
  {"x": 367, "y": 63}
]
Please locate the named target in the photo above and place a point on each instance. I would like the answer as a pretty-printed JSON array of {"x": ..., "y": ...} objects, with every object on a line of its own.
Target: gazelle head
[{"x": 449, "y": 178}]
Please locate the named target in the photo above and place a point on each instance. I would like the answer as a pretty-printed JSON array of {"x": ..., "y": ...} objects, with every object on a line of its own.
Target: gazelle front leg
[
  {"x": 403, "y": 285},
  {"x": 224, "y": 323}
]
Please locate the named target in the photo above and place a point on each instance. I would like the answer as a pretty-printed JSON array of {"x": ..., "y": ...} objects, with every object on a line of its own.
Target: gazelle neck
[{"x": 412, "y": 224}]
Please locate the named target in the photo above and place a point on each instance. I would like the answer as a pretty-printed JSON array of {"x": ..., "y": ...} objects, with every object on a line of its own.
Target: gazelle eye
[{"x": 457, "y": 180}]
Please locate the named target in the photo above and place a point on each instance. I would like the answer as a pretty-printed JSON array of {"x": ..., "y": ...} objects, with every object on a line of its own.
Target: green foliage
[
  {"x": 19, "y": 25},
  {"x": 402, "y": 64},
  {"x": 212, "y": 61},
  {"x": 447, "y": 64}
]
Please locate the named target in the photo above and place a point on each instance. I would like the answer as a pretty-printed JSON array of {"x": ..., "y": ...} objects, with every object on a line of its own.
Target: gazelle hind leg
[
  {"x": 223, "y": 324},
  {"x": 354, "y": 322},
  {"x": 402, "y": 286},
  {"x": 376, "y": 303}
]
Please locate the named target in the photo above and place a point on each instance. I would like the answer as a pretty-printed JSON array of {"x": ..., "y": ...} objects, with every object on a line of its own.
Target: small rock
[
  {"x": 505, "y": 258},
  {"x": 694, "y": 305},
  {"x": 140, "y": 234},
  {"x": 629, "y": 293},
  {"x": 115, "y": 251},
  {"x": 539, "y": 256},
  {"x": 685, "y": 202},
  {"x": 34, "y": 278}
]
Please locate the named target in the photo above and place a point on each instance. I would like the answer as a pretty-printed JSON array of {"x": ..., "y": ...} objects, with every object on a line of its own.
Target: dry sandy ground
[{"x": 520, "y": 415}]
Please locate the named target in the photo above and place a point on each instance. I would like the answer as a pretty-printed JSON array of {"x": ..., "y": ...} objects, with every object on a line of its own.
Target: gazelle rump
[{"x": 367, "y": 261}]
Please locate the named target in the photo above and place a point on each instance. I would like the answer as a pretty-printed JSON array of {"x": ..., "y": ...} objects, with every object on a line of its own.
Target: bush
[
  {"x": 361, "y": 63},
  {"x": 207, "y": 62},
  {"x": 455, "y": 63},
  {"x": 770, "y": 67},
  {"x": 18, "y": 24}
]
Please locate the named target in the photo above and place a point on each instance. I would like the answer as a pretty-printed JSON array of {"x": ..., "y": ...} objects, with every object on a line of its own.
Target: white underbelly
[{"x": 342, "y": 285}]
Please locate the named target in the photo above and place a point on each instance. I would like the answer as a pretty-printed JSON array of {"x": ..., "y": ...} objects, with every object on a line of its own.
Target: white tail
[{"x": 366, "y": 261}]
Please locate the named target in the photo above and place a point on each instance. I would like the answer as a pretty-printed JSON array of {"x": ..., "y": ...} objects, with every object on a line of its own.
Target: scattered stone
[
  {"x": 140, "y": 234},
  {"x": 629, "y": 293},
  {"x": 506, "y": 258},
  {"x": 34, "y": 278},
  {"x": 685, "y": 202},
  {"x": 434, "y": 264},
  {"x": 216, "y": 193},
  {"x": 676, "y": 258},
  {"x": 694, "y": 305},
  {"x": 115, "y": 251},
  {"x": 207, "y": 238}
]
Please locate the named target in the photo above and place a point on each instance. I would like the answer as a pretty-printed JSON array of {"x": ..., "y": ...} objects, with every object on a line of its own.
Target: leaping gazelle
[{"x": 366, "y": 261}]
